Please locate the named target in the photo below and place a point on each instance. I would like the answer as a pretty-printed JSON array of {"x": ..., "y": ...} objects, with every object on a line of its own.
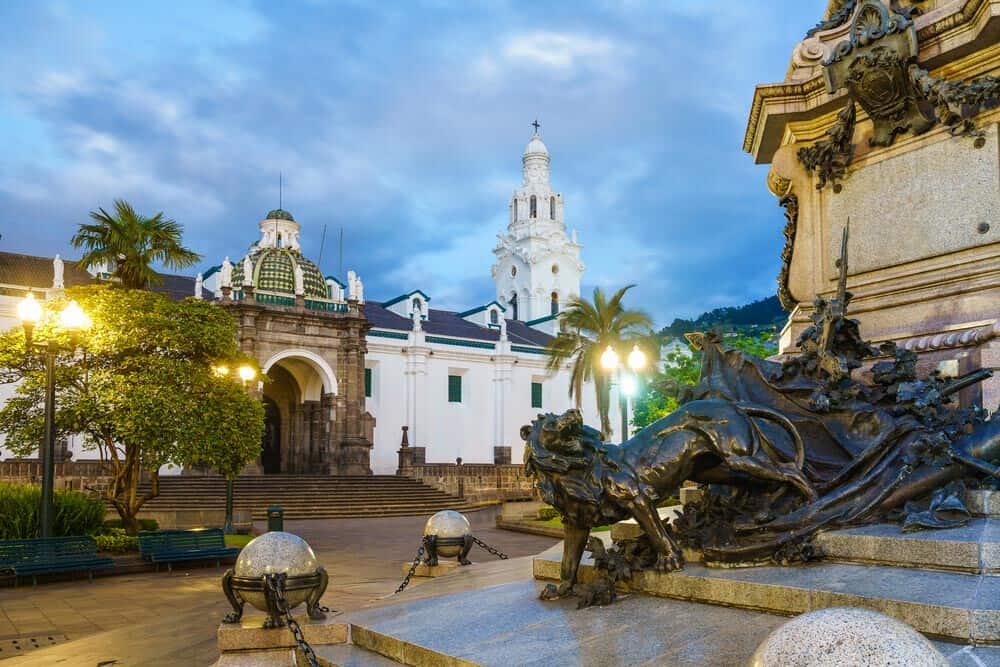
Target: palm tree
[
  {"x": 132, "y": 244},
  {"x": 593, "y": 326}
]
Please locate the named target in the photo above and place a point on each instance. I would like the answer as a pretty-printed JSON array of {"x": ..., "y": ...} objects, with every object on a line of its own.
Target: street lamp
[
  {"x": 73, "y": 320},
  {"x": 246, "y": 374},
  {"x": 628, "y": 385}
]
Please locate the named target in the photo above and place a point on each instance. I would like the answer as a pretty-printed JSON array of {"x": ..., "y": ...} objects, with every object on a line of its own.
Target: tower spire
[{"x": 536, "y": 125}]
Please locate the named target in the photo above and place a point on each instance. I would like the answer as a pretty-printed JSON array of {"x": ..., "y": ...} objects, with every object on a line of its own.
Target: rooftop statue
[{"x": 782, "y": 451}]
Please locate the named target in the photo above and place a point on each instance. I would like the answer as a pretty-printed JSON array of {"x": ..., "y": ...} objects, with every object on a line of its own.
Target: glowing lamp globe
[{"x": 29, "y": 310}]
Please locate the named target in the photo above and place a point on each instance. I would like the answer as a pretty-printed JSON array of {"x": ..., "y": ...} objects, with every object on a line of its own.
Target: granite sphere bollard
[
  {"x": 448, "y": 534},
  {"x": 274, "y": 572},
  {"x": 846, "y": 637}
]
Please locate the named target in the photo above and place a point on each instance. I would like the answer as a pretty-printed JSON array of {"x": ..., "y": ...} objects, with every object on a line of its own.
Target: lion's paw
[
  {"x": 553, "y": 592},
  {"x": 670, "y": 562}
]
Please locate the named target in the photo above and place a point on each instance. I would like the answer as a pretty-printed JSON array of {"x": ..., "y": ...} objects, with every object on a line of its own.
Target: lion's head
[{"x": 560, "y": 450}]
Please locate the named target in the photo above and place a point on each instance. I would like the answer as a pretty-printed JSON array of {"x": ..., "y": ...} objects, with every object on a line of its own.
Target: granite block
[
  {"x": 423, "y": 570},
  {"x": 249, "y": 634}
]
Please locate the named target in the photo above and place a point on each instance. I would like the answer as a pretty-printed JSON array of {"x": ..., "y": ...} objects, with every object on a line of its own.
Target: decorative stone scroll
[{"x": 877, "y": 64}]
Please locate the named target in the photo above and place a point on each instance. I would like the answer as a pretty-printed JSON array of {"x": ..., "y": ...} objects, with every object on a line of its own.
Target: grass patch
[
  {"x": 557, "y": 523},
  {"x": 238, "y": 540}
]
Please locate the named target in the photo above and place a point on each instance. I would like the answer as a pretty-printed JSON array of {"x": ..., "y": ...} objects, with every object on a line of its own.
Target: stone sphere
[
  {"x": 275, "y": 552},
  {"x": 846, "y": 637},
  {"x": 448, "y": 524}
]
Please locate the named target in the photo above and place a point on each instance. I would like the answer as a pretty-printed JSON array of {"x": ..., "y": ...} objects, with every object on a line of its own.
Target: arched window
[
  {"x": 494, "y": 318},
  {"x": 554, "y": 308},
  {"x": 513, "y": 304},
  {"x": 552, "y": 208},
  {"x": 513, "y": 210},
  {"x": 418, "y": 307},
  {"x": 534, "y": 206}
]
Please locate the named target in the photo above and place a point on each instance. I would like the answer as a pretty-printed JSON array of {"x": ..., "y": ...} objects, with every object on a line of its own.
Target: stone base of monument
[{"x": 442, "y": 568}]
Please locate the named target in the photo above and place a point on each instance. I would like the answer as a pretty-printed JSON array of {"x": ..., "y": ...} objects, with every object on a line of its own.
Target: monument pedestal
[{"x": 249, "y": 643}]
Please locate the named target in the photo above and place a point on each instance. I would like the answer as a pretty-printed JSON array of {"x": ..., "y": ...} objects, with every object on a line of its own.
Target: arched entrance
[
  {"x": 299, "y": 405},
  {"x": 270, "y": 449}
]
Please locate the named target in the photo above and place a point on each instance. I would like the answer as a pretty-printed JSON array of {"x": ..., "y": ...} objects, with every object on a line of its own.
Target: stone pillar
[
  {"x": 989, "y": 357},
  {"x": 405, "y": 453},
  {"x": 503, "y": 378},
  {"x": 354, "y": 455}
]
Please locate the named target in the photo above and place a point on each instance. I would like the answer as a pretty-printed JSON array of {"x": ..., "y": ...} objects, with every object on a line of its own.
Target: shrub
[
  {"x": 116, "y": 541},
  {"x": 144, "y": 524},
  {"x": 75, "y": 513},
  {"x": 548, "y": 513}
]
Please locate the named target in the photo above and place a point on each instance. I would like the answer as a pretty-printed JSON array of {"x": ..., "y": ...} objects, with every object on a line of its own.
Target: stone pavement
[{"x": 156, "y": 619}]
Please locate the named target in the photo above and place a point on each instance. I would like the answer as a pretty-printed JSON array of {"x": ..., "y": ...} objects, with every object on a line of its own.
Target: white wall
[{"x": 410, "y": 386}]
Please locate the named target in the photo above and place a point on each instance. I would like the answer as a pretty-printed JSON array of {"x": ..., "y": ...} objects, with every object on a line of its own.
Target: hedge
[{"x": 75, "y": 513}]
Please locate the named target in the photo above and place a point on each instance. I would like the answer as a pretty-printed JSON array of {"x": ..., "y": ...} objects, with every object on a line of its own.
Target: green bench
[
  {"x": 171, "y": 546},
  {"x": 50, "y": 555}
]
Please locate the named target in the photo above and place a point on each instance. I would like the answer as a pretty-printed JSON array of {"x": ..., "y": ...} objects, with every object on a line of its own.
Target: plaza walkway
[{"x": 158, "y": 619}]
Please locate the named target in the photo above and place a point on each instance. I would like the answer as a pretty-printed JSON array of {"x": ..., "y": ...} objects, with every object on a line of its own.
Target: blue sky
[{"x": 403, "y": 123}]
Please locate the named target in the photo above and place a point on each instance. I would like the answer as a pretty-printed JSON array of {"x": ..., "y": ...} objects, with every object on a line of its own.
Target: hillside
[{"x": 765, "y": 314}]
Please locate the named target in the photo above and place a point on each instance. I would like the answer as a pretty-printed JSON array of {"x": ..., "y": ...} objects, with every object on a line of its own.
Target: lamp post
[
  {"x": 627, "y": 384},
  {"x": 245, "y": 374},
  {"x": 73, "y": 320}
]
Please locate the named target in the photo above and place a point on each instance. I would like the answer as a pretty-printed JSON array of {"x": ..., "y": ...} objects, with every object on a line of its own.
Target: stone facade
[{"x": 885, "y": 119}]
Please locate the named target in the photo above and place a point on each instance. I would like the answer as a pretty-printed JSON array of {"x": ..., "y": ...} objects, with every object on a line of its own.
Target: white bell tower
[{"x": 538, "y": 266}]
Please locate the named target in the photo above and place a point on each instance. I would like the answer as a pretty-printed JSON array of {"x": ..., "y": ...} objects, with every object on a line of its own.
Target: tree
[
  {"x": 132, "y": 244},
  {"x": 593, "y": 326},
  {"x": 682, "y": 369},
  {"x": 143, "y": 392}
]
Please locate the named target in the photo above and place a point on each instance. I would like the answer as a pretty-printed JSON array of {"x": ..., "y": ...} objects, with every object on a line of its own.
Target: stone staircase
[{"x": 307, "y": 496}]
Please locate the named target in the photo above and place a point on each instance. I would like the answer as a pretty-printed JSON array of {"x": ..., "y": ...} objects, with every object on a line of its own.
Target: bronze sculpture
[{"x": 782, "y": 450}]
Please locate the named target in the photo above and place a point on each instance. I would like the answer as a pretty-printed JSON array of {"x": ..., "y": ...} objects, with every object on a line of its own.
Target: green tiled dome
[
  {"x": 274, "y": 271},
  {"x": 279, "y": 214}
]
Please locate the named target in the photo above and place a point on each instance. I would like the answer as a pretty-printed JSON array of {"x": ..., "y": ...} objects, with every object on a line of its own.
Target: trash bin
[{"x": 275, "y": 518}]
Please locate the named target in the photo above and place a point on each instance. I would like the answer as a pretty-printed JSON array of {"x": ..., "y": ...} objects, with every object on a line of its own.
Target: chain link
[
  {"x": 413, "y": 568},
  {"x": 495, "y": 552},
  {"x": 275, "y": 589}
]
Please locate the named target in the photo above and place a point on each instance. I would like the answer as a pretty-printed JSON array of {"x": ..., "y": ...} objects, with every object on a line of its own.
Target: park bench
[
  {"x": 171, "y": 546},
  {"x": 49, "y": 555}
]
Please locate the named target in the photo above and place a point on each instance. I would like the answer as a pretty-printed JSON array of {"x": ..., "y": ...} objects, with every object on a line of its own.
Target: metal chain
[
  {"x": 413, "y": 568},
  {"x": 495, "y": 552},
  {"x": 275, "y": 588}
]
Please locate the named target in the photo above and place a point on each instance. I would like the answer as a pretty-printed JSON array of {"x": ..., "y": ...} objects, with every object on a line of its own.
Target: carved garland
[
  {"x": 790, "y": 203},
  {"x": 829, "y": 157}
]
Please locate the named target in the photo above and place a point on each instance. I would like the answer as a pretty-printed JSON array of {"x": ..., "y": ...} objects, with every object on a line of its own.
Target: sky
[{"x": 403, "y": 123}]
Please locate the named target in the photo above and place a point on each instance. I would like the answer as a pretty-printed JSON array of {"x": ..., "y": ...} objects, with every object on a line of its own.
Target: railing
[
  {"x": 477, "y": 482},
  {"x": 68, "y": 474}
]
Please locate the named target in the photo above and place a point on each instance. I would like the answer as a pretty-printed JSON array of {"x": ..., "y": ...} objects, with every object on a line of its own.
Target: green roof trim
[
  {"x": 460, "y": 342},
  {"x": 388, "y": 334},
  {"x": 481, "y": 309},
  {"x": 403, "y": 297},
  {"x": 329, "y": 306},
  {"x": 540, "y": 320},
  {"x": 528, "y": 350}
]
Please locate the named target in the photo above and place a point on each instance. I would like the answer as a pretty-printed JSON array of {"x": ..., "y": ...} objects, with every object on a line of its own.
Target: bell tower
[{"x": 538, "y": 266}]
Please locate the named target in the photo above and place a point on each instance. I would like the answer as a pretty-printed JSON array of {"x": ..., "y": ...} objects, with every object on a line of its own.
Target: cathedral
[{"x": 347, "y": 379}]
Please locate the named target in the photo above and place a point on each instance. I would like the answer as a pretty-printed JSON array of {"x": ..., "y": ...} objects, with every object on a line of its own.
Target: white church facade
[{"x": 347, "y": 376}]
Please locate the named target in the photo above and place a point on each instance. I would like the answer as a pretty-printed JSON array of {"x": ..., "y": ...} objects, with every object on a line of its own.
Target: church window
[
  {"x": 552, "y": 208},
  {"x": 513, "y": 210},
  {"x": 554, "y": 308},
  {"x": 534, "y": 206},
  {"x": 536, "y": 394},
  {"x": 368, "y": 383},
  {"x": 555, "y": 269},
  {"x": 418, "y": 307},
  {"x": 494, "y": 317},
  {"x": 513, "y": 305},
  {"x": 513, "y": 271},
  {"x": 454, "y": 388}
]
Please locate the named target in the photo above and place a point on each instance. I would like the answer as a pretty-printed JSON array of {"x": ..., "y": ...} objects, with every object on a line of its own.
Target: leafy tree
[
  {"x": 681, "y": 369},
  {"x": 593, "y": 326},
  {"x": 143, "y": 391},
  {"x": 132, "y": 244}
]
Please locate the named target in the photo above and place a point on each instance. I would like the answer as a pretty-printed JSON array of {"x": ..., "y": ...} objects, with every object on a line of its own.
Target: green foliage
[
  {"x": 143, "y": 393},
  {"x": 681, "y": 370},
  {"x": 75, "y": 513},
  {"x": 591, "y": 327},
  {"x": 547, "y": 513},
  {"x": 144, "y": 524},
  {"x": 132, "y": 244},
  {"x": 116, "y": 541}
]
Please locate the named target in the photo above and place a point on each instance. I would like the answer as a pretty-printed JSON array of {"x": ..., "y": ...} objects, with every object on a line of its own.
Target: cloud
[{"x": 560, "y": 51}]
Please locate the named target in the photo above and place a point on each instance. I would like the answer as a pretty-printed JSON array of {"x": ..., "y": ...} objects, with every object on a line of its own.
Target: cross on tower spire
[{"x": 536, "y": 125}]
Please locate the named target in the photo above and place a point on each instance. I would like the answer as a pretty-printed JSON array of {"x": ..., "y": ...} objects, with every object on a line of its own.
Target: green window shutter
[
  {"x": 454, "y": 388},
  {"x": 536, "y": 394},
  {"x": 368, "y": 383}
]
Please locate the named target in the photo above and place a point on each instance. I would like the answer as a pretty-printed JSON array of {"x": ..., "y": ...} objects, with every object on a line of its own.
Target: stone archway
[
  {"x": 301, "y": 388},
  {"x": 270, "y": 449}
]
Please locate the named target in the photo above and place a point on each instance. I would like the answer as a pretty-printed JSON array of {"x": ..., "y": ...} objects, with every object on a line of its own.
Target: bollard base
[
  {"x": 423, "y": 570},
  {"x": 248, "y": 643}
]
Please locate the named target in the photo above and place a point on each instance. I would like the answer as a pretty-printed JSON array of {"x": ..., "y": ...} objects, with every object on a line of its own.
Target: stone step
[
  {"x": 973, "y": 548},
  {"x": 348, "y": 655},
  {"x": 949, "y": 605}
]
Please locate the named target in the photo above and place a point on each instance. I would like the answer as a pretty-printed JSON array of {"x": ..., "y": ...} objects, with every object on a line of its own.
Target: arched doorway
[{"x": 270, "y": 448}]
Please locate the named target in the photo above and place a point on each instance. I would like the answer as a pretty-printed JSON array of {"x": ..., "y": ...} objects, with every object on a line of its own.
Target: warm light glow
[
  {"x": 222, "y": 371},
  {"x": 73, "y": 318},
  {"x": 609, "y": 360},
  {"x": 630, "y": 387},
  {"x": 636, "y": 359},
  {"x": 247, "y": 373},
  {"x": 29, "y": 310}
]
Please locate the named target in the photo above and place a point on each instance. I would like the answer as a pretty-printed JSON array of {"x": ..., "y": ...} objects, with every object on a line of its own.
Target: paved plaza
[{"x": 159, "y": 619}]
